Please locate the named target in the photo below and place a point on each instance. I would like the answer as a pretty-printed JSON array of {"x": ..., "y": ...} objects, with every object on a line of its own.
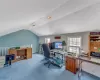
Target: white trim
[{"x": 73, "y": 45}]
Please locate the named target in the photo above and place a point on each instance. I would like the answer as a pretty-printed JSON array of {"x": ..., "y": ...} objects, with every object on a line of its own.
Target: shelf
[
  {"x": 94, "y": 38},
  {"x": 95, "y": 41},
  {"x": 94, "y": 35}
]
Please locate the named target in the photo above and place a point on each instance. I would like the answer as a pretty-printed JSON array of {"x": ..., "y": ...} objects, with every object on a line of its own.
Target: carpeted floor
[{"x": 33, "y": 69}]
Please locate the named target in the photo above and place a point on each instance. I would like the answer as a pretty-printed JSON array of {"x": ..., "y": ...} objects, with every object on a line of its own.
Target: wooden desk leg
[{"x": 80, "y": 70}]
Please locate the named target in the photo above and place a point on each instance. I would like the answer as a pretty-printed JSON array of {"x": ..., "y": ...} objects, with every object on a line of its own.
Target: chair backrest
[
  {"x": 46, "y": 50},
  {"x": 12, "y": 56}
]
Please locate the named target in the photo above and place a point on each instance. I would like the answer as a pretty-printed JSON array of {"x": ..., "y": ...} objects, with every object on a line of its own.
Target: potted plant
[{"x": 63, "y": 45}]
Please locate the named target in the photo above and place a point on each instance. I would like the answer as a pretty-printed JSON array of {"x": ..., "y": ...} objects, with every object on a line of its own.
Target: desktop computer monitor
[{"x": 58, "y": 45}]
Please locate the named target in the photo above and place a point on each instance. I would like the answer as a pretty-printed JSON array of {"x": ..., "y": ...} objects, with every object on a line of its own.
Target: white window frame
[
  {"x": 78, "y": 47},
  {"x": 47, "y": 40}
]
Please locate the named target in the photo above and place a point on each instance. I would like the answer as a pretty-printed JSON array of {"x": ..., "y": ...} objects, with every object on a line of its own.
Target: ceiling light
[{"x": 49, "y": 17}]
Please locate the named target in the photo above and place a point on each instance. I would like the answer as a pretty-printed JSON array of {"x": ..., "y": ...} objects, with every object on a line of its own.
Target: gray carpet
[{"x": 33, "y": 69}]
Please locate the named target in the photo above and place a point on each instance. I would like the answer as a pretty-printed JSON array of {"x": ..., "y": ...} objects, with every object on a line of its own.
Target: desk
[
  {"x": 62, "y": 53},
  {"x": 58, "y": 54},
  {"x": 23, "y": 53},
  {"x": 89, "y": 65}
]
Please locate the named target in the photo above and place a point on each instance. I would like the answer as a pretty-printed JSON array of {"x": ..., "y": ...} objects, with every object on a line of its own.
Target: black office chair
[
  {"x": 46, "y": 51},
  {"x": 9, "y": 58}
]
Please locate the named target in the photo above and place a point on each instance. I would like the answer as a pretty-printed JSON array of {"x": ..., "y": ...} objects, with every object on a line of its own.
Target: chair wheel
[{"x": 60, "y": 66}]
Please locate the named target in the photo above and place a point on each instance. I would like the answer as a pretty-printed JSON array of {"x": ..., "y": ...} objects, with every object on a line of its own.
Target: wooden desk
[
  {"x": 23, "y": 53},
  {"x": 83, "y": 63}
]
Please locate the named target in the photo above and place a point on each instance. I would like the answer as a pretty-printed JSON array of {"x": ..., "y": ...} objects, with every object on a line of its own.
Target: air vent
[{"x": 33, "y": 24}]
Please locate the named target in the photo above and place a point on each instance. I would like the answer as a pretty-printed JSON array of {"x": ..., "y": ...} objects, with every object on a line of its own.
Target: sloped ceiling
[{"x": 67, "y": 16}]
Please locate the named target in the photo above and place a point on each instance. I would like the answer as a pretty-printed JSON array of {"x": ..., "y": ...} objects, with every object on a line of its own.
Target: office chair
[
  {"x": 9, "y": 58},
  {"x": 46, "y": 51}
]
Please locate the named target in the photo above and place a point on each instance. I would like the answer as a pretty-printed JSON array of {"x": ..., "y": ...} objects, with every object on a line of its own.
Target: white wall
[
  {"x": 83, "y": 35},
  {"x": 52, "y": 38}
]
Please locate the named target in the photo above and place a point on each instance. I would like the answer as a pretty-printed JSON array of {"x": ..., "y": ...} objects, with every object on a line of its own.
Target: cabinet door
[
  {"x": 91, "y": 46},
  {"x": 71, "y": 65},
  {"x": 29, "y": 53},
  {"x": 68, "y": 63},
  {"x": 94, "y": 46}
]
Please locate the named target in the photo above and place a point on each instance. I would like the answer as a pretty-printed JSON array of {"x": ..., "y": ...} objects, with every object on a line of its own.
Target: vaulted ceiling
[{"x": 48, "y": 17}]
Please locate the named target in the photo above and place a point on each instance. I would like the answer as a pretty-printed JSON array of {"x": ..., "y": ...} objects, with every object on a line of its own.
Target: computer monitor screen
[{"x": 58, "y": 45}]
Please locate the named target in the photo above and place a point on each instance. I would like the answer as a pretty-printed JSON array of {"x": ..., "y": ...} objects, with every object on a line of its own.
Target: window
[
  {"x": 47, "y": 40},
  {"x": 74, "y": 44}
]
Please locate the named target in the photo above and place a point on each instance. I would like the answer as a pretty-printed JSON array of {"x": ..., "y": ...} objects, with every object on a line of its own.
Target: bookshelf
[
  {"x": 94, "y": 42},
  {"x": 21, "y": 54}
]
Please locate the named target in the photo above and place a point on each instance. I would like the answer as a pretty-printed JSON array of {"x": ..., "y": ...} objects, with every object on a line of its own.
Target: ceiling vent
[{"x": 33, "y": 24}]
